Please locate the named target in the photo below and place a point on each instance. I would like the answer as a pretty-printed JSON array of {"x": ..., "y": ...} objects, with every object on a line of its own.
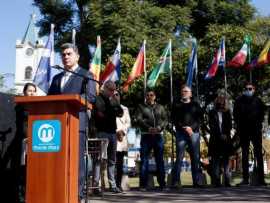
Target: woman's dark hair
[{"x": 27, "y": 85}]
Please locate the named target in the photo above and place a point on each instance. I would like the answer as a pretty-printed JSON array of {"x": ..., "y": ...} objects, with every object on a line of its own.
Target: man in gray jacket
[{"x": 152, "y": 119}]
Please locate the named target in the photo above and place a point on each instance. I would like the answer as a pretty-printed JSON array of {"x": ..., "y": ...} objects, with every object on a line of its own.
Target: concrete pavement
[{"x": 188, "y": 195}]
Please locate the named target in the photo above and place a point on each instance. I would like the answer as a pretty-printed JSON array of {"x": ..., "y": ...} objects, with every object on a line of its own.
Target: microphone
[{"x": 58, "y": 67}]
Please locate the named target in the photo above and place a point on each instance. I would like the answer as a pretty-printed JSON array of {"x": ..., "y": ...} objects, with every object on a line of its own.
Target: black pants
[
  {"x": 255, "y": 136},
  {"x": 119, "y": 167}
]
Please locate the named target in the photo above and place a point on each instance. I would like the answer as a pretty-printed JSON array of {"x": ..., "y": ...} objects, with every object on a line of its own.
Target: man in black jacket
[
  {"x": 248, "y": 116},
  {"x": 152, "y": 119},
  {"x": 107, "y": 108},
  {"x": 187, "y": 116}
]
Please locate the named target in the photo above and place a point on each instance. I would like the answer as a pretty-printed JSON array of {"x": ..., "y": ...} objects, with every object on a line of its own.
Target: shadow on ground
[{"x": 234, "y": 194}]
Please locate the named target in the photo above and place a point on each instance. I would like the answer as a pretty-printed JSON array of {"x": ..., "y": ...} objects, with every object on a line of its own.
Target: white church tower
[{"x": 28, "y": 53}]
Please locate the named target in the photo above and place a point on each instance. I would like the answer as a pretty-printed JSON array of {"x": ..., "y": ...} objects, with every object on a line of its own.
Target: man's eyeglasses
[{"x": 150, "y": 95}]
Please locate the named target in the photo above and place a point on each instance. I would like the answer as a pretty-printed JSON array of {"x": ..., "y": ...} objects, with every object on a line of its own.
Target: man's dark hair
[
  {"x": 249, "y": 84},
  {"x": 69, "y": 46}
]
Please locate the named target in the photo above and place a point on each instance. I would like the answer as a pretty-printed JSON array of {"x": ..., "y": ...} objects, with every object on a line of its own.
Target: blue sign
[{"x": 46, "y": 136}]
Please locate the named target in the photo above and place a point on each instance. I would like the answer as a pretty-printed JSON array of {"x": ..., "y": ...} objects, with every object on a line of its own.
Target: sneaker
[
  {"x": 115, "y": 190},
  {"x": 243, "y": 183}
]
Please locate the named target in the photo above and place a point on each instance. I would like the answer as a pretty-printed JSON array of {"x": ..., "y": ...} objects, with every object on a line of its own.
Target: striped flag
[
  {"x": 164, "y": 66},
  {"x": 43, "y": 72},
  {"x": 192, "y": 65},
  {"x": 95, "y": 64},
  {"x": 218, "y": 60},
  {"x": 240, "y": 58},
  {"x": 112, "y": 70},
  {"x": 137, "y": 69},
  {"x": 264, "y": 57}
]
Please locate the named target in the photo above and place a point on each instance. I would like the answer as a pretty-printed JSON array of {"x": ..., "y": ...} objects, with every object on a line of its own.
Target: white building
[{"x": 28, "y": 53}]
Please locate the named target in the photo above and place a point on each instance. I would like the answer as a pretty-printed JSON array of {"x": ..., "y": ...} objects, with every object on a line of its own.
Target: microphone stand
[{"x": 86, "y": 79}]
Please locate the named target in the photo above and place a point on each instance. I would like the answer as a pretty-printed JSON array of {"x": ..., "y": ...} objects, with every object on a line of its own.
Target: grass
[{"x": 186, "y": 179}]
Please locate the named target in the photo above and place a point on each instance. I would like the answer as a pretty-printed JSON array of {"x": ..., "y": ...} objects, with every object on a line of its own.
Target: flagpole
[
  {"x": 224, "y": 68},
  {"x": 196, "y": 72},
  {"x": 144, "y": 68},
  {"x": 171, "y": 98},
  {"x": 249, "y": 59},
  {"x": 171, "y": 79},
  {"x": 73, "y": 37}
]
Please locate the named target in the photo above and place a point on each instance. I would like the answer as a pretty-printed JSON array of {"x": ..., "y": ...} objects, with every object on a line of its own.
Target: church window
[{"x": 28, "y": 73}]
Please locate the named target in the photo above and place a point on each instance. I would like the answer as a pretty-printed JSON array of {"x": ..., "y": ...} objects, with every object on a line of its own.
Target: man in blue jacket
[{"x": 68, "y": 83}]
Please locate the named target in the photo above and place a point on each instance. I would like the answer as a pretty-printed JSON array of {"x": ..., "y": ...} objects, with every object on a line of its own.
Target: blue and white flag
[
  {"x": 192, "y": 64},
  {"x": 43, "y": 73}
]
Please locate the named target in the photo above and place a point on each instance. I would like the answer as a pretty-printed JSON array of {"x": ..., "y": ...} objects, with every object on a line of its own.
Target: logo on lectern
[
  {"x": 46, "y": 133},
  {"x": 46, "y": 136}
]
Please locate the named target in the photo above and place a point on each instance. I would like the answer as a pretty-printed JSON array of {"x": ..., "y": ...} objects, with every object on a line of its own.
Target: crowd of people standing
[{"x": 112, "y": 121}]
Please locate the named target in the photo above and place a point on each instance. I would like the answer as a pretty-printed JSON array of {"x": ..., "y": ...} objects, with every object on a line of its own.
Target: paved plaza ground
[{"x": 189, "y": 194}]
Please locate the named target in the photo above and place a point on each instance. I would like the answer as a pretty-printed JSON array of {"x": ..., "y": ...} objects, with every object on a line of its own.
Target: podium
[{"x": 53, "y": 147}]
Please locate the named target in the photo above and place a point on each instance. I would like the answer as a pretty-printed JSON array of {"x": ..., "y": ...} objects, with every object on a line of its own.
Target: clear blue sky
[{"x": 14, "y": 17}]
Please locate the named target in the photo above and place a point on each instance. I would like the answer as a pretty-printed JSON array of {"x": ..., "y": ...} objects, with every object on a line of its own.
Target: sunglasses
[{"x": 249, "y": 88}]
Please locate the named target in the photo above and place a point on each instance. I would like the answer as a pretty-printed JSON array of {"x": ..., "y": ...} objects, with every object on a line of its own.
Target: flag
[
  {"x": 137, "y": 69},
  {"x": 264, "y": 57},
  {"x": 240, "y": 58},
  {"x": 218, "y": 60},
  {"x": 252, "y": 64},
  {"x": 164, "y": 66},
  {"x": 192, "y": 65},
  {"x": 43, "y": 72},
  {"x": 112, "y": 70},
  {"x": 95, "y": 64}
]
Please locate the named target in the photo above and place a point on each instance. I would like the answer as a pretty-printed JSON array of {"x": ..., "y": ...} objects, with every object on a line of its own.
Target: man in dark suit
[{"x": 68, "y": 83}]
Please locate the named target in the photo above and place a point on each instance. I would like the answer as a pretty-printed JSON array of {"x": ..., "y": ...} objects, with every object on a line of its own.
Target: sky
[{"x": 14, "y": 18}]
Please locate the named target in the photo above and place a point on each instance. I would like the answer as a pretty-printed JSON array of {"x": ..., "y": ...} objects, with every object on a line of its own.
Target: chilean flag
[
  {"x": 112, "y": 70},
  {"x": 218, "y": 60}
]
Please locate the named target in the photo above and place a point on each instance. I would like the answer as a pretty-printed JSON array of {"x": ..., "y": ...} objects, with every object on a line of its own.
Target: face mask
[
  {"x": 248, "y": 93},
  {"x": 184, "y": 99}
]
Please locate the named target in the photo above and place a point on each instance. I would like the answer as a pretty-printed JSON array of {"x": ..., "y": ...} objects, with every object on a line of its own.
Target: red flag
[{"x": 137, "y": 69}]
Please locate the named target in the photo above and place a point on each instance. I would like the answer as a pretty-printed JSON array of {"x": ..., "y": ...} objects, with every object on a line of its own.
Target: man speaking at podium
[{"x": 69, "y": 83}]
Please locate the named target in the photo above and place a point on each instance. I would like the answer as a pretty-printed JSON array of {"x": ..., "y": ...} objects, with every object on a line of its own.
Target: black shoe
[
  {"x": 197, "y": 185},
  {"x": 262, "y": 183},
  {"x": 115, "y": 190},
  {"x": 243, "y": 183},
  {"x": 227, "y": 185},
  {"x": 97, "y": 192},
  {"x": 143, "y": 189}
]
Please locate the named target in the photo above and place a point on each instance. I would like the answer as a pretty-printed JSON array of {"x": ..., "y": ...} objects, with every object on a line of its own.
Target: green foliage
[
  {"x": 155, "y": 21},
  {"x": 1, "y": 81}
]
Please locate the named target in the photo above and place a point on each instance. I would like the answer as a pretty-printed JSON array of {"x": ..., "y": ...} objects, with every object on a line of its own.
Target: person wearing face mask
[
  {"x": 220, "y": 125},
  {"x": 151, "y": 119},
  {"x": 248, "y": 116},
  {"x": 187, "y": 116}
]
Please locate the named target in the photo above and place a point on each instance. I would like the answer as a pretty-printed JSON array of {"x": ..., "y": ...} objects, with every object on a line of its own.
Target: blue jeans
[
  {"x": 111, "y": 159},
  {"x": 149, "y": 142},
  {"x": 193, "y": 143}
]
